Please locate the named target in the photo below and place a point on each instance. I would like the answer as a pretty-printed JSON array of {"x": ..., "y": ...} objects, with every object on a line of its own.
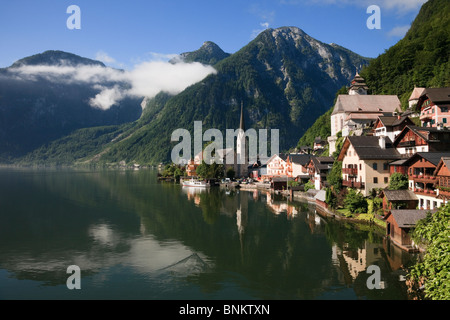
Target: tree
[
  {"x": 398, "y": 181},
  {"x": 231, "y": 173},
  {"x": 330, "y": 198},
  {"x": 309, "y": 185},
  {"x": 432, "y": 273},
  {"x": 355, "y": 202},
  {"x": 334, "y": 178}
]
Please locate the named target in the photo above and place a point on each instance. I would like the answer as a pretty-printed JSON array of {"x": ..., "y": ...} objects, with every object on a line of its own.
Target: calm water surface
[{"x": 135, "y": 238}]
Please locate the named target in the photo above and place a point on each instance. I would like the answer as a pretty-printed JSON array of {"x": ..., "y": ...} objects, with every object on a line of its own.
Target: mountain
[
  {"x": 420, "y": 59},
  {"x": 36, "y": 109},
  {"x": 209, "y": 53},
  {"x": 284, "y": 78}
]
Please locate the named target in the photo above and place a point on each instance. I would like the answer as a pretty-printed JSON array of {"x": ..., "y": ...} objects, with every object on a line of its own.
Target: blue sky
[{"x": 125, "y": 33}]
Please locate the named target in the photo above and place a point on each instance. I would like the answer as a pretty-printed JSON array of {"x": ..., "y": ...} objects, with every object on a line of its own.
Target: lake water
[{"x": 135, "y": 238}]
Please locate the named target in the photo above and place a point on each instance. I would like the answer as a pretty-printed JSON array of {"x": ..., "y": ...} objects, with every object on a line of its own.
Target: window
[
  {"x": 360, "y": 166},
  {"x": 375, "y": 180},
  {"x": 386, "y": 180},
  {"x": 444, "y": 109},
  {"x": 444, "y": 120},
  {"x": 385, "y": 166},
  {"x": 375, "y": 166}
]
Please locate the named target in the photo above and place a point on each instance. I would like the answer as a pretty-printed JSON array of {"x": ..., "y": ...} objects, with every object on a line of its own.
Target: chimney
[{"x": 382, "y": 142}]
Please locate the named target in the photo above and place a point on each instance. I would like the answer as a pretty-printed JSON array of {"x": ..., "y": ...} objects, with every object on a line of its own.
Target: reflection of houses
[
  {"x": 281, "y": 206},
  {"x": 442, "y": 174},
  {"x": 398, "y": 225},
  {"x": 414, "y": 139},
  {"x": 434, "y": 105},
  {"x": 398, "y": 199},
  {"x": 365, "y": 162},
  {"x": 318, "y": 169},
  {"x": 421, "y": 169}
]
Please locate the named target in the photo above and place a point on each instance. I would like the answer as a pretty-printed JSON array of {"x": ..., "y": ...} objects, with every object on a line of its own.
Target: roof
[
  {"x": 301, "y": 159},
  {"x": 432, "y": 157},
  {"x": 392, "y": 121},
  {"x": 368, "y": 148},
  {"x": 400, "y": 195},
  {"x": 437, "y": 94},
  {"x": 408, "y": 218},
  {"x": 322, "y": 163},
  {"x": 367, "y": 103},
  {"x": 321, "y": 195},
  {"x": 426, "y": 133},
  {"x": 444, "y": 161},
  {"x": 417, "y": 92},
  {"x": 363, "y": 116}
]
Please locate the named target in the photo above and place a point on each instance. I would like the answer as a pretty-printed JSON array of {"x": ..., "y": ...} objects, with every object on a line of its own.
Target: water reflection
[{"x": 136, "y": 238}]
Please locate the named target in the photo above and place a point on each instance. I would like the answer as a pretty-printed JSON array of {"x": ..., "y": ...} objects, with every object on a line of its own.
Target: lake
[{"x": 133, "y": 237}]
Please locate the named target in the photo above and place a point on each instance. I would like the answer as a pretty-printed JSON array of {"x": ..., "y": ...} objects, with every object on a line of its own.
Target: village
[{"x": 372, "y": 143}]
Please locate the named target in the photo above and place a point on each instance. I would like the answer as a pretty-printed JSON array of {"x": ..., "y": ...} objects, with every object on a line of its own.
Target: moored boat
[{"x": 195, "y": 183}]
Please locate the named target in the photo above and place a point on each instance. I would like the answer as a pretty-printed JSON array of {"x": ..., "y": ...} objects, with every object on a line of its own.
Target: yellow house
[{"x": 365, "y": 162}]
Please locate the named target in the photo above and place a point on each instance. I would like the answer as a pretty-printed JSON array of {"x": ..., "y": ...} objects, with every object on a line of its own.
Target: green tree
[
  {"x": 231, "y": 173},
  {"x": 355, "y": 202},
  {"x": 309, "y": 185},
  {"x": 398, "y": 181},
  {"x": 330, "y": 198},
  {"x": 433, "y": 273}
]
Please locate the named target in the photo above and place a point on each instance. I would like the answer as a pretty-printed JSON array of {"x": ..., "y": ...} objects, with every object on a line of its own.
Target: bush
[{"x": 355, "y": 202}]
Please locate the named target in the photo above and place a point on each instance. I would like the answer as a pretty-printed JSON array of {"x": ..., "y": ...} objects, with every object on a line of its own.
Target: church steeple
[
  {"x": 358, "y": 86},
  {"x": 242, "y": 124}
]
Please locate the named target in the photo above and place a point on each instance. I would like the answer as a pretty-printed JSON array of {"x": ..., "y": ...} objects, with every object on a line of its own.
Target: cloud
[
  {"x": 104, "y": 57},
  {"x": 145, "y": 79},
  {"x": 398, "y": 32},
  {"x": 255, "y": 32}
]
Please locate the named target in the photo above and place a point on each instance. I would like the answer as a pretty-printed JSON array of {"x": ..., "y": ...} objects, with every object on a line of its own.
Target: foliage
[
  {"x": 355, "y": 202},
  {"x": 322, "y": 126},
  {"x": 231, "y": 173},
  {"x": 207, "y": 171},
  {"x": 309, "y": 185},
  {"x": 398, "y": 181},
  {"x": 293, "y": 183},
  {"x": 433, "y": 271},
  {"x": 334, "y": 178},
  {"x": 172, "y": 170},
  {"x": 330, "y": 198},
  {"x": 420, "y": 59}
]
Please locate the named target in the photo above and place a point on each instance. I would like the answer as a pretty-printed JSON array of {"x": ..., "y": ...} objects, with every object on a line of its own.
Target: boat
[{"x": 195, "y": 183}]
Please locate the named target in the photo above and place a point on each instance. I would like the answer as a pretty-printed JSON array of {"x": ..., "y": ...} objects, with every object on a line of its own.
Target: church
[
  {"x": 239, "y": 155},
  {"x": 356, "y": 110}
]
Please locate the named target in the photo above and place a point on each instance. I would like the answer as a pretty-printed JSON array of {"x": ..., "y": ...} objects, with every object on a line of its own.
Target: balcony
[
  {"x": 425, "y": 192},
  {"x": 353, "y": 184},
  {"x": 410, "y": 143},
  {"x": 350, "y": 171}
]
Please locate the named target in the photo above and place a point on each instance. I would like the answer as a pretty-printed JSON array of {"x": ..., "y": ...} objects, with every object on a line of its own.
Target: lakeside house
[
  {"x": 442, "y": 175},
  {"x": 434, "y": 106},
  {"x": 391, "y": 126},
  {"x": 365, "y": 162},
  {"x": 318, "y": 169},
  {"x": 399, "y": 223},
  {"x": 422, "y": 179},
  {"x": 398, "y": 199},
  {"x": 413, "y": 139}
]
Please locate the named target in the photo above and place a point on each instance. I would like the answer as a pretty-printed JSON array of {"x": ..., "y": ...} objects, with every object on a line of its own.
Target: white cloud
[
  {"x": 399, "y": 31},
  {"x": 255, "y": 32},
  {"x": 104, "y": 57},
  {"x": 145, "y": 80}
]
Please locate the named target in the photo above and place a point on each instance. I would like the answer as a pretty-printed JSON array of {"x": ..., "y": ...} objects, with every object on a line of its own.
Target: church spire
[{"x": 242, "y": 124}]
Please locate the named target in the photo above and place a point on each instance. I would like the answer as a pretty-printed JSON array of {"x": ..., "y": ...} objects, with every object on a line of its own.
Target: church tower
[
  {"x": 358, "y": 86},
  {"x": 241, "y": 149}
]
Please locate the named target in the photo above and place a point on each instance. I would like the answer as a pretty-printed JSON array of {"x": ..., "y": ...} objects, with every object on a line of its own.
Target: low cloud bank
[{"x": 145, "y": 79}]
